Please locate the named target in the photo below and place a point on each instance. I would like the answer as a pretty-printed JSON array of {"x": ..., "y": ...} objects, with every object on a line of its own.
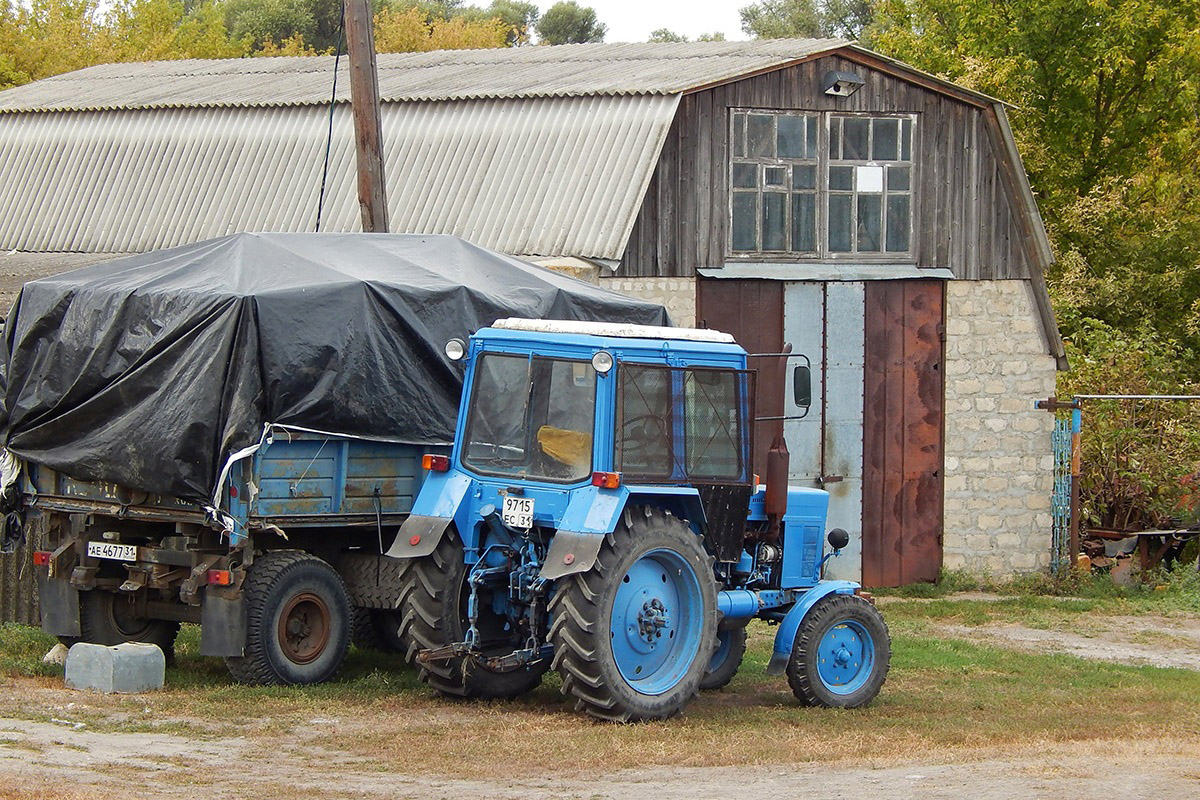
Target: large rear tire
[
  {"x": 841, "y": 654},
  {"x": 433, "y": 606},
  {"x": 633, "y": 636},
  {"x": 110, "y": 618},
  {"x": 297, "y": 621}
]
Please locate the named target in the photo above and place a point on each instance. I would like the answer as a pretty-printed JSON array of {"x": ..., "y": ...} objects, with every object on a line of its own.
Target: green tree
[
  {"x": 803, "y": 19},
  {"x": 666, "y": 35},
  {"x": 567, "y": 22},
  {"x": 518, "y": 18}
]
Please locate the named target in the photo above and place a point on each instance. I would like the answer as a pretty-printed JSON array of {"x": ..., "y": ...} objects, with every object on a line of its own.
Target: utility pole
[{"x": 364, "y": 102}]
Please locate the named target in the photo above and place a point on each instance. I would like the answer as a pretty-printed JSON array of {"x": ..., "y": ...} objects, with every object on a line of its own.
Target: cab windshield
[{"x": 531, "y": 417}]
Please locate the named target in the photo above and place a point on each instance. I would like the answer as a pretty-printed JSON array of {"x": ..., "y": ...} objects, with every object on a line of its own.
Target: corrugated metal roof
[
  {"x": 560, "y": 71},
  {"x": 524, "y": 176}
]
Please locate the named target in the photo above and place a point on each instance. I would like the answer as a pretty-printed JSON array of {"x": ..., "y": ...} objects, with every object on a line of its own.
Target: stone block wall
[
  {"x": 998, "y": 461},
  {"x": 677, "y": 294}
]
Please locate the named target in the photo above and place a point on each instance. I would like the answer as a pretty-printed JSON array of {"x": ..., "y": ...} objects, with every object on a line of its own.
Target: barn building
[{"x": 808, "y": 193}]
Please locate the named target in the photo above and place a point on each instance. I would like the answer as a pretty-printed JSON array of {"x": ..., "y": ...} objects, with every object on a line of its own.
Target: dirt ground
[{"x": 67, "y": 759}]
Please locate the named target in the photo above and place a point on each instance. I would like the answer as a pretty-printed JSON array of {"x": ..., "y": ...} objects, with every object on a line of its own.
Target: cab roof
[{"x": 613, "y": 329}]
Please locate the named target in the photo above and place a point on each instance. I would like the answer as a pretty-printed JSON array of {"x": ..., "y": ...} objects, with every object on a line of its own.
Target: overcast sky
[{"x": 632, "y": 20}]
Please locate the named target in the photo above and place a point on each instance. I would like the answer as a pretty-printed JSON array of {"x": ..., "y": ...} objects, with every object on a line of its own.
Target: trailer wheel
[
  {"x": 840, "y": 658},
  {"x": 378, "y": 629},
  {"x": 109, "y": 618},
  {"x": 297, "y": 621},
  {"x": 726, "y": 659},
  {"x": 634, "y": 636},
  {"x": 433, "y": 603}
]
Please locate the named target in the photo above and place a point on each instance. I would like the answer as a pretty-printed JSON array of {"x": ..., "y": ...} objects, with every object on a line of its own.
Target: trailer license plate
[
  {"x": 518, "y": 512},
  {"x": 117, "y": 552}
]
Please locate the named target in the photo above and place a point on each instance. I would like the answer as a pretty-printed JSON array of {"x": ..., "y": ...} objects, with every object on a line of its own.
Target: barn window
[{"x": 820, "y": 185}]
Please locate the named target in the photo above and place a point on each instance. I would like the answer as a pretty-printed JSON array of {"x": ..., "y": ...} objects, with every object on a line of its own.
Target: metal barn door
[
  {"x": 824, "y": 321},
  {"x": 903, "y": 433},
  {"x": 752, "y": 312}
]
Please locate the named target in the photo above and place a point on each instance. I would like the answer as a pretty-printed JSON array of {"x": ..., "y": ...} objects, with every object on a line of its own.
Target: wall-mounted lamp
[{"x": 841, "y": 84}]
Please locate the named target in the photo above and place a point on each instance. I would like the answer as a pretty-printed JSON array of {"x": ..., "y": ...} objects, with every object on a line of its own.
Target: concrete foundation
[{"x": 123, "y": 668}]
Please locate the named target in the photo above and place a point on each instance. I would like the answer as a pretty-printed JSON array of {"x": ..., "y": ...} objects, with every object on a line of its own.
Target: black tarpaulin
[{"x": 150, "y": 371}]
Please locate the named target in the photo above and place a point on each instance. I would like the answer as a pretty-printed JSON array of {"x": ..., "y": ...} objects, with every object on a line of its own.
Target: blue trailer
[{"x": 280, "y": 571}]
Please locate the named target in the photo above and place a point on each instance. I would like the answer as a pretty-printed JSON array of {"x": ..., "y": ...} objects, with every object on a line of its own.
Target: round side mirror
[{"x": 838, "y": 538}]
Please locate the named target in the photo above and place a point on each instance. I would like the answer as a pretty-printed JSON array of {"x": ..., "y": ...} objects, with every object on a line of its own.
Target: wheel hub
[
  {"x": 304, "y": 628},
  {"x": 652, "y": 619}
]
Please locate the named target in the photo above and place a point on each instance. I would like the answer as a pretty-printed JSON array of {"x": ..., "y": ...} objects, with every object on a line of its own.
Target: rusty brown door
[
  {"x": 903, "y": 415},
  {"x": 752, "y": 312}
]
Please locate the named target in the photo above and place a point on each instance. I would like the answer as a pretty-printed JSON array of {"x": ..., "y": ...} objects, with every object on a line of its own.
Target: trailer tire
[
  {"x": 841, "y": 654},
  {"x": 652, "y": 577},
  {"x": 433, "y": 616},
  {"x": 105, "y": 618},
  {"x": 378, "y": 629},
  {"x": 726, "y": 659},
  {"x": 297, "y": 621}
]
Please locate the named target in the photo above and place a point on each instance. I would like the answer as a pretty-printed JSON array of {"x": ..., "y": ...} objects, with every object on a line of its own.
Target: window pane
[
  {"x": 855, "y": 146},
  {"x": 804, "y": 223},
  {"x": 898, "y": 224},
  {"x": 840, "y": 220},
  {"x": 835, "y": 137},
  {"x": 841, "y": 178},
  {"x": 745, "y": 176},
  {"x": 869, "y": 179},
  {"x": 775, "y": 176},
  {"x": 906, "y": 140},
  {"x": 745, "y": 213},
  {"x": 812, "y": 138},
  {"x": 644, "y": 424},
  {"x": 761, "y": 135},
  {"x": 739, "y": 134},
  {"x": 804, "y": 176},
  {"x": 712, "y": 439},
  {"x": 870, "y": 222},
  {"x": 774, "y": 221},
  {"x": 898, "y": 179},
  {"x": 791, "y": 136},
  {"x": 885, "y": 139}
]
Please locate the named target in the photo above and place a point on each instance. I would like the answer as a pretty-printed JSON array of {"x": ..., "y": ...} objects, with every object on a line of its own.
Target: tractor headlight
[
  {"x": 456, "y": 349},
  {"x": 602, "y": 361}
]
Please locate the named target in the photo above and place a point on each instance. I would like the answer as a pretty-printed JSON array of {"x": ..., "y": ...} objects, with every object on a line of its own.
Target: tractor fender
[
  {"x": 570, "y": 553},
  {"x": 785, "y": 637},
  {"x": 437, "y": 505}
]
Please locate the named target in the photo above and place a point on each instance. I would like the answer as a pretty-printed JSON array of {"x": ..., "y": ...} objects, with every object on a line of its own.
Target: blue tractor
[{"x": 598, "y": 515}]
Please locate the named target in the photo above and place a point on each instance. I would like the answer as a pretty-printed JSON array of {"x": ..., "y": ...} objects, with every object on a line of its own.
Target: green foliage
[
  {"x": 668, "y": 35},
  {"x": 567, "y": 22},
  {"x": 778, "y": 19}
]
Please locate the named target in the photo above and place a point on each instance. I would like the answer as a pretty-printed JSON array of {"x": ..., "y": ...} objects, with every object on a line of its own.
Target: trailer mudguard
[
  {"x": 785, "y": 638},
  {"x": 58, "y": 602},
  {"x": 437, "y": 505},
  {"x": 223, "y": 622}
]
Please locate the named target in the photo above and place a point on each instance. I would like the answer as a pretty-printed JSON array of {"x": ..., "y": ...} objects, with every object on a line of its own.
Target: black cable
[{"x": 337, "y": 60}]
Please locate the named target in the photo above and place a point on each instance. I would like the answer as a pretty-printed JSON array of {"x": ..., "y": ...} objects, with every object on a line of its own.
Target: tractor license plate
[
  {"x": 518, "y": 512},
  {"x": 116, "y": 552}
]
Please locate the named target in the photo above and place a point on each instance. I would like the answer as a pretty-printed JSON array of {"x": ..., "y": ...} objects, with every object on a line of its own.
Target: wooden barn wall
[
  {"x": 963, "y": 219},
  {"x": 18, "y": 587}
]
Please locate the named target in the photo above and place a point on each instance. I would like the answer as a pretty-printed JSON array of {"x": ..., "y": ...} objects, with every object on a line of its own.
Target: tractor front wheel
[
  {"x": 726, "y": 659},
  {"x": 633, "y": 636},
  {"x": 841, "y": 654}
]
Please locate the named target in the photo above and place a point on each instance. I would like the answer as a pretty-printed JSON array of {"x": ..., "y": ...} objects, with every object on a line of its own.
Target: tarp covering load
[{"x": 150, "y": 371}]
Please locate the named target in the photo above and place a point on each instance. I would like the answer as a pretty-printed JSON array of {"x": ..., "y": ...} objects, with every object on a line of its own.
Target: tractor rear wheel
[
  {"x": 433, "y": 607},
  {"x": 633, "y": 636},
  {"x": 726, "y": 659},
  {"x": 840, "y": 658}
]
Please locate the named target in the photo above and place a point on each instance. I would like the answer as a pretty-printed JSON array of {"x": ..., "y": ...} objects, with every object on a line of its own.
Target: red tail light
[
  {"x": 220, "y": 577},
  {"x": 435, "y": 463},
  {"x": 606, "y": 480},
  {"x": 41, "y": 558}
]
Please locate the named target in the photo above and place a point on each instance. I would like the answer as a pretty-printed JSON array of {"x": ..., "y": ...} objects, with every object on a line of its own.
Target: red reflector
[
  {"x": 435, "y": 463},
  {"x": 415, "y": 540},
  {"x": 220, "y": 577},
  {"x": 41, "y": 558},
  {"x": 233, "y": 491},
  {"x": 606, "y": 480}
]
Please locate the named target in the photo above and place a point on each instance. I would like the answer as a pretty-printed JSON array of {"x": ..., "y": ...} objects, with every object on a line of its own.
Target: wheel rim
[
  {"x": 655, "y": 628},
  {"x": 724, "y": 645},
  {"x": 845, "y": 657},
  {"x": 304, "y": 628}
]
